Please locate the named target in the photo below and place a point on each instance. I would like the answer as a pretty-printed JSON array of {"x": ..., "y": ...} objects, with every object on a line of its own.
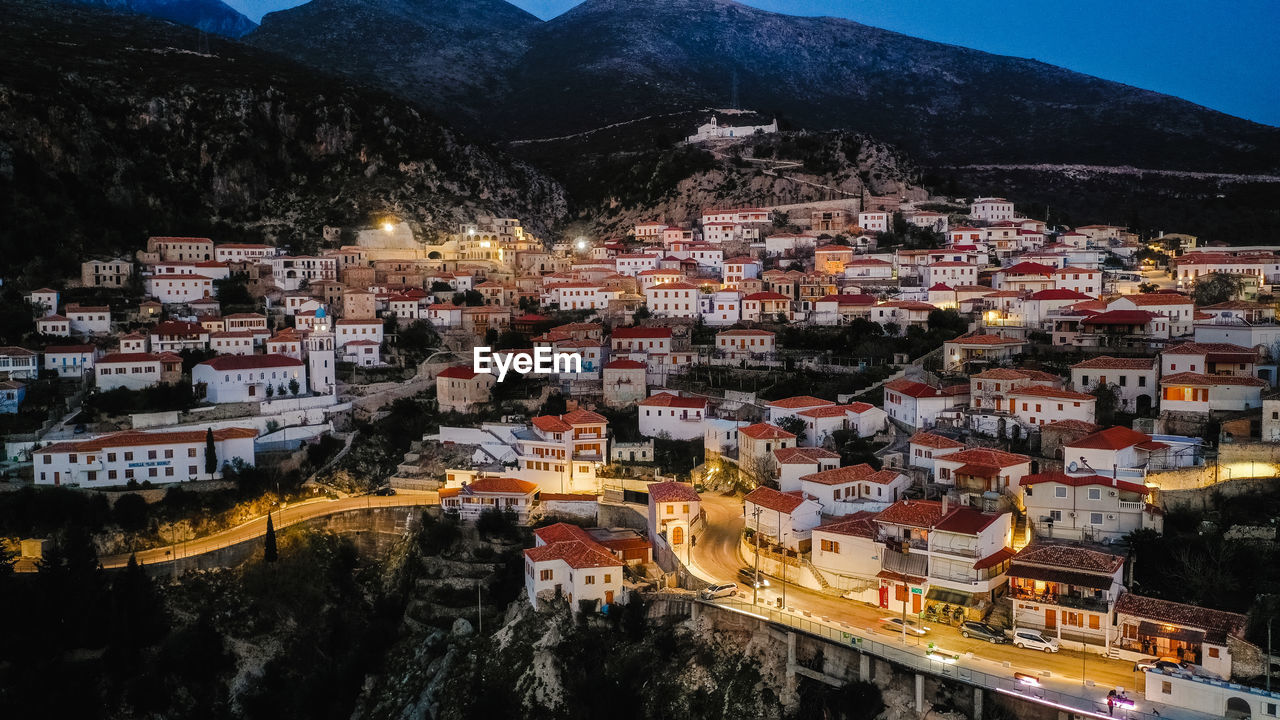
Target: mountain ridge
[{"x": 212, "y": 16}]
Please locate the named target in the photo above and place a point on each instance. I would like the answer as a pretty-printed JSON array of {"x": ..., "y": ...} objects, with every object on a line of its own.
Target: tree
[
  {"x": 130, "y": 512},
  {"x": 210, "y": 454},
  {"x": 281, "y": 390},
  {"x": 641, "y": 313},
  {"x": 270, "y": 553},
  {"x": 294, "y": 387},
  {"x": 795, "y": 426},
  {"x": 1147, "y": 287},
  {"x": 271, "y": 391},
  {"x": 1107, "y": 404},
  {"x": 1216, "y": 288}
]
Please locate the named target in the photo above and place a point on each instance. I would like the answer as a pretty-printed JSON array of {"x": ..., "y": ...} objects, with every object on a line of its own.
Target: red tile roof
[
  {"x": 641, "y": 332},
  {"x": 995, "y": 558},
  {"x": 625, "y": 365},
  {"x": 1120, "y": 317},
  {"x": 966, "y": 521},
  {"x": 767, "y": 497},
  {"x": 1190, "y": 378},
  {"x": 1106, "y": 362},
  {"x": 576, "y": 554},
  {"x": 986, "y": 456},
  {"x": 661, "y": 492},
  {"x": 504, "y": 485},
  {"x": 1214, "y": 622},
  {"x": 665, "y": 399},
  {"x": 550, "y": 423},
  {"x": 460, "y": 372},
  {"x": 765, "y": 431},
  {"x": 135, "y": 438},
  {"x": 223, "y": 363},
  {"x": 1152, "y": 299},
  {"x": 803, "y": 456},
  {"x": 799, "y": 401},
  {"x": 1081, "y": 481},
  {"x": 860, "y": 524},
  {"x": 915, "y": 513},
  {"x": 1113, "y": 438},
  {"x": 937, "y": 442},
  {"x": 984, "y": 340},
  {"x": 583, "y": 417},
  {"x": 842, "y": 475}
]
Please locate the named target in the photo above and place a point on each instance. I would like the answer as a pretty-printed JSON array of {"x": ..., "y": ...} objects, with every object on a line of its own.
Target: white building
[
  {"x": 1134, "y": 380},
  {"x": 1088, "y": 507},
  {"x": 290, "y": 272},
  {"x": 673, "y": 508},
  {"x": 70, "y": 361},
  {"x": 89, "y": 319},
  {"x": 672, "y": 300},
  {"x": 713, "y": 130},
  {"x": 567, "y": 563},
  {"x": 991, "y": 210},
  {"x": 672, "y": 416},
  {"x": 245, "y": 378},
  {"x": 159, "y": 457},
  {"x": 133, "y": 371},
  {"x": 348, "y": 331},
  {"x": 504, "y": 494},
  {"x": 917, "y": 405},
  {"x": 873, "y": 222},
  {"x": 178, "y": 289},
  {"x": 785, "y": 519}
]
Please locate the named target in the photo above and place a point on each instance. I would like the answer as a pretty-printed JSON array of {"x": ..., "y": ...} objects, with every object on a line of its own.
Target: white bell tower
[{"x": 320, "y": 356}]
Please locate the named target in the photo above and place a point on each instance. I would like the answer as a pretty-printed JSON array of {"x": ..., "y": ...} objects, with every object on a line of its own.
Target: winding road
[{"x": 290, "y": 515}]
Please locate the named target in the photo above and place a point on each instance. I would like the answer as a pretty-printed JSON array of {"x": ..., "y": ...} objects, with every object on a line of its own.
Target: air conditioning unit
[
  {"x": 1071, "y": 514},
  {"x": 1113, "y": 493},
  {"x": 1111, "y": 517}
]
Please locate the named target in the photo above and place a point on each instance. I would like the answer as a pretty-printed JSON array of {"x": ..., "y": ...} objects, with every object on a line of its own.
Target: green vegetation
[{"x": 122, "y": 401}]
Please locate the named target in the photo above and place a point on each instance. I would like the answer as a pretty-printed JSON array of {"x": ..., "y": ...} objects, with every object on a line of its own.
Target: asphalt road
[
  {"x": 716, "y": 558},
  {"x": 257, "y": 527}
]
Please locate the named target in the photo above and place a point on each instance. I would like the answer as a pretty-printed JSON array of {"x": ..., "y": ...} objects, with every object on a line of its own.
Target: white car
[
  {"x": 719, "y": 591},
  {"x": 895, "y": 624},
  {"x": 1032, "y": 640}
]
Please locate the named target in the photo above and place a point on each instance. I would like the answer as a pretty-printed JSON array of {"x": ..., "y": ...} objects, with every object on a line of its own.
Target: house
[
  {"x": 1177, "y": 311},
  {"x": 903, "y": 534},
  {"x": 157, "y": 457},
  {"x": 1025, "y": 277},
  {"x": 766, "y": 307},
  {"x": 1121, "y": 452},
  {"x": 246, "y": 378},
  {"x": 70, "y": 361},
  {"x": 624, "y": 382},
  {"x": 134, "y": 371},
  {"x": 1038, "y": 405},
  {"x": 178, "y": 335},
  {"x": 231, "y": 343},
  {"x": 503, "y": 494},
  {"x": 461, "y": 389},
  {"x": 348, "y": 331},
  {"x": 981, "y": 470},
  {"x": 979, "y": 348},
  {"x": 566, "y": 562},
  {"x": 745, "y": 344},
  {"x": 917, "y": 405},
  {"x": 784, "y": 408},
  {"x": 54, "y": 326},
  {"x": 1088, "y": 507},
  {"x": 847, "y": 552},
  {"x": 821, "y": 423},
  {"x": 672, "y": 300},
  {"x": 363, "y": 353},
  {"x": 989, "y": 389},
  {"x": 89, "y": 319},
  {"x": 16, "y": 362},
  {"x": 951, "y": 273},
  {"x": 672, "y": 416},
  {"x": 793, "y": 462},
  {"x": 756, "y": 445},
  {"x": 923, "y": 447},
  {"x": 873, "y": 222},
  {"x": 290, "y": 272},
  {"x": 1132, "y": 379},
  {"x": 673, "y": 509},
  {"x": 106, "y": 273},
  {"x": 969, "y": 554},
  {"x": 177, "y": 289},
  {"x": 867, "y": 268},
  {"x": 722, "y": 307},
  {"x": 242, "y": 252},
  {"x": 1122, "y": 328},
  {"x": 1209, "y": 359},
  {"x": 1085, "y": 281},
  {"x": 12, "y": 393},
  {"x": 1190, "y": 633},
  {"x": 180, "y": 249},
  {"x": 562, "y": 453},
  {"x": 842, "y": 309},
  {"x": 1189, "y": 392},
  {"x": 640, "y": 340},
  {"x": 991, "y": 209},
  {"x": 849, "y": 489},
  {"x": 785, "y": 519},
  {"x": 1067, "y": 591}
]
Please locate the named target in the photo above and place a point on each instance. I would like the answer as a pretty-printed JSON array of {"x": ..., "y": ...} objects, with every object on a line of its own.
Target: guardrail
[{"x": 930, "y": 662}]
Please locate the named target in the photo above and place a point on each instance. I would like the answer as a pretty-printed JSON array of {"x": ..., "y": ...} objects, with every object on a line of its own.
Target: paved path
[
  {"x": 257, "y": 527},
  {"x": 716, "y": 558}
]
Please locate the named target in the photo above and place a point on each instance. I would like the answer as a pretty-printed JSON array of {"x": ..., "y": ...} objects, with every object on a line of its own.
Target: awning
[
  {"x": 951, "y": 597},
  {"x": 1169, "y": 632},
  {"x": 995, "y": 558},
  {"x": 1067, "y": 577},
  {"x": 899, "y": 577}
]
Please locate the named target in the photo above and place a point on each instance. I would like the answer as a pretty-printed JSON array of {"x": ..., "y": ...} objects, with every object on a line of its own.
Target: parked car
[
  {"x": 982, "y": 631},
  {"x": 1163, "y": 663},
  {"x": 895, "y": 624},
  {"x": 388, "y": 490},
  {"x": 748, "y": 576},
  {"x": 1032, "y": 640},
  {"x": 718, "y": 591}
]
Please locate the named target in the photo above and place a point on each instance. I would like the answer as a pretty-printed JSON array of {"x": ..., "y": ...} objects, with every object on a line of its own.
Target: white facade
[
  {"x": 161, "y": 457},
  {"x": 672, "y": 416},
  {"x": 178, "y": 289},
  {"x": 991, "y": 210},
  {"x": 244, "y": 378}
]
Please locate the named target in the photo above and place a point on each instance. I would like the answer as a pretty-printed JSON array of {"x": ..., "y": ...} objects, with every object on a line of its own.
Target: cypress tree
[
  {"x": 269, "y": 551},
  {"x": 210, "y": 454}
]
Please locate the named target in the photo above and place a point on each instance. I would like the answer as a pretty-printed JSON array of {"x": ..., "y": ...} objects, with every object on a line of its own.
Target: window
[
  {"x": 191, "y": 452},
  {"x": 830, "y": 546},
  {"x": 1142, "y": 381},
  {"x": 1166, "y": 687},
  {"x": 1213, "y": 653},
  {"x": 1055, "y": 515},
  {"x": 546, "y": 575},
  {"x": 589, "y": 580},
  {"x": 608, "y": 578},
  {"x": 1060, "y": 492},
  {"x": 1094, "y": 622},
  {"x": 128, "y": 456},
  {"x": 1095, "y": 518},
  {"x": 1095, "y": 493}
]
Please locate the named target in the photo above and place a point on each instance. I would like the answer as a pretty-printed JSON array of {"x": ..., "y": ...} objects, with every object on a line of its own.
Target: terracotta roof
[
  {"x": 767, "y": 497},
  {"x": 1216, "y": 623},
  {"x": 132, "y": 438},
  {"x": 1081, "y": 481},
  {"x": 966, "y": 521},
  {"x": 1113, "y": 438},
  {"x": 500, "y": 485},
  {"x": 122, "y": 358},
  {"x": 625, "y": 365},
  {"x": 1013, "y": 374},
  {"x": 641, "y": 332},
  {"x": 803, "y": 455},
  {"x": 1120, "y": 317},
  {"x": 551, "y": 423},
  {"x": 986, "y": 456},
  {"x": 1072, "y": 557},
  {"x": 460, "y": 372},
  {"x": 765, "y": 431},
  {"x": 1190, "y": 378},
  {"x": 672, "y": 492},
  {"x": 1195, "y": 348},
  {"x": 860, "y": 524},
  {"x": 1154, "y": 299},
  {"x": 766, "y": 296},
  {"x": 665, "y": 399},
  {"x": 842, "y": 475},
  {"x": 567, "y": 497},
  {"x": 984, "y": 340},
  {"x": 916, "y": 513},
  {"x": 914, "y": 389},
  {"x": 995, "y": 558},
  {"x": 835, "y": 410},
  {"x": 223, "y": 363},
  {"x": 1106, "y": 362},
  {"x": 576, "y": 554},
  {"x": 937, "y": 442},
  {"x": 1058, "y": 294},
  {"x": 1080, "y": 425},
  {"x": 583, "y": 417},
  {"x": 799, "y": 401},
  {"x": 1027, "y": 268}
]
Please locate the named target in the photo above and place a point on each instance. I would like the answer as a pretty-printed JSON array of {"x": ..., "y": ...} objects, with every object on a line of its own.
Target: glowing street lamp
[{"x": 388, "y": 226}]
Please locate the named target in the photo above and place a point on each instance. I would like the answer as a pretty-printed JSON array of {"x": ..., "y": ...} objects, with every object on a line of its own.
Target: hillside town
[{"x": 942, "y": 419}]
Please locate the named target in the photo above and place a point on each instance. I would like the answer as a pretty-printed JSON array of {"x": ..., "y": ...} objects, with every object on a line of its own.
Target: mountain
[
  {"x": 113, "y": 127},
  {"x": 211, "y": 16},
  {"x": 609, "y": 61},
  {"x": 445, "y": 54}
]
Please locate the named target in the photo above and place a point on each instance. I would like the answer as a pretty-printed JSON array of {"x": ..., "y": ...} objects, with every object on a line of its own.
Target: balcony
[
  {"x": 1066, "y": 600},
  {"x": 1126, "y": 505},
  {"x": 895, "y": 543},
  {"x": 958, "y": 552}
]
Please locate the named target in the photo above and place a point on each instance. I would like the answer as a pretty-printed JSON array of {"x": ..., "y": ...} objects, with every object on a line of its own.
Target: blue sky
[{"x": 1219, "y": 53}]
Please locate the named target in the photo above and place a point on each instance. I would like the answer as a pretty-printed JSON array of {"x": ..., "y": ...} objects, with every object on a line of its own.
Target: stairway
[{"x": 822, "y": 581}]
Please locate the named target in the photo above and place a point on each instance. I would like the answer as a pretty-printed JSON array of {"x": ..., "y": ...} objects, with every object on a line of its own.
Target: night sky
[{"x": 1219, "y": 53}]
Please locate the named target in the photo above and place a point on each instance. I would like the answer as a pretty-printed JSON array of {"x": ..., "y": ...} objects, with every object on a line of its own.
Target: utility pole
[
  {"x": 755, "y": 586},
  {"x": 782, "y": 538},
  {"x": 906, "y": 595},
  {"x": 479, "y": 610},
  {"x": 1269, "y": 619}
]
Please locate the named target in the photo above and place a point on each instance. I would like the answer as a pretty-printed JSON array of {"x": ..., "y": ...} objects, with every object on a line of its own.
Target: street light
[{"x": 755, "y": 585}]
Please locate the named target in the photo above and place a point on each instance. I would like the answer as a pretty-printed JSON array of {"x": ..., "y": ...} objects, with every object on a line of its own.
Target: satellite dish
[{"x": 1072, "y": 467}]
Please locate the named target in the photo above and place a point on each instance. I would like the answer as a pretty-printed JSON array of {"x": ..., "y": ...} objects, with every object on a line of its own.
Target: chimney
[{"x": 946, "y": 503}]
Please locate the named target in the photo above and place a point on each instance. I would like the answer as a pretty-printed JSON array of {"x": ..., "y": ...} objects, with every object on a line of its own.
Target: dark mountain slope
[
  {"x": 212, "y": 16},
  {"x": 446, "y": 54},
  {"x": 112, "y": 128}
]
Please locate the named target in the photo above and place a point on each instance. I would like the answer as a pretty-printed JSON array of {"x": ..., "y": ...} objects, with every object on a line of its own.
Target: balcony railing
[
  {"x": 1075, "y": 602},
  {"x": 1126, "y": 505},
  {"x": 959, "y": 552},
  {"x": 895, "y": 543}
]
